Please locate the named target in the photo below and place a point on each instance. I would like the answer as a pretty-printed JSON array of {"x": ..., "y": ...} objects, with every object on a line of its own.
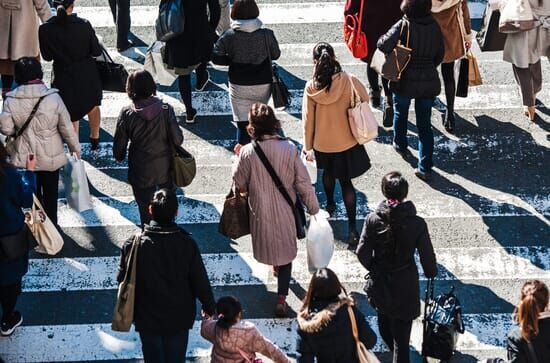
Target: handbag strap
[
  {"x": 244, "y": 355},
  {"x": 29, "y": 119},
  {"x": 361, "y": 14},
  {"x": 104, "y": 52},
  {"x": 355, "y": 98},
  {"x": 273, "y": 174},
  {"x": 269, "y": 56},
  {"x": 532, "y": 353},
  {"x": 404, "y": 23},
  {"x": 353, "y": 322}
]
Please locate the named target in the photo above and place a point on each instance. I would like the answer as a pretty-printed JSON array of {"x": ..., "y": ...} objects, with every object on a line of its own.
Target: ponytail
[
  {"x": 61, "y": 7},
  {"x": 534, "y": 299},
  {"x": 61, "y": 13},
  {"x": 228, "y": 308},
  {"x": 325, "y": 67}
]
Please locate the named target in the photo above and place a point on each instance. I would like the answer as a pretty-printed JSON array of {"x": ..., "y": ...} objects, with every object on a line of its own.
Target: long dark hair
[
  {"x": 395, "y": 188},
  {"x": 61, "y": 7},
  {"x": 228, "y": 308},
  {"x": 326, "y": 66},
  {"x": 533, "y": 301},
  {"x": 324, "y": 285}
]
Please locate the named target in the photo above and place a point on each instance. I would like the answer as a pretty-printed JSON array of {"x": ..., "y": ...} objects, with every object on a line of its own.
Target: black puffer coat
[
  {"x": 518, "y": 350},
  {"x": 410, "y": 234},
  {"x": 145, "y": 126},
  {"x": 420, "y": 79}
]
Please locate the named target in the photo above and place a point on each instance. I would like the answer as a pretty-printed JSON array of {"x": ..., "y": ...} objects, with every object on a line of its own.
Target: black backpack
[{"x": 442, "y": 323}]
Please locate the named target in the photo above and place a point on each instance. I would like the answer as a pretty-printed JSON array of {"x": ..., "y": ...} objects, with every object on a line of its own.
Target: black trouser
[
  {"x": 396, "y": 334},
  {"x": 47, "y": 184},
  {"x": 8, "y": 298},
  {"x": 184, "y": 83},
  {"x": 448, "y": 73},
  {"x": 372, "y": 77},
  {"x": 283, "y": 279},
  {"x": 7, "y": 82},
  {"x": 143, "y": 198},
  {"x": 121, "y": 16},
  {"x": 164, "y": 348}
]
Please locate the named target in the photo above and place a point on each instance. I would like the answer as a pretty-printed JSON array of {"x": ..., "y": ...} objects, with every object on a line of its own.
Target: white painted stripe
[
  {"x": 87, "y": 342},
  {"x": 198, "y": 209},
  {"x": 241, "y": 269}
]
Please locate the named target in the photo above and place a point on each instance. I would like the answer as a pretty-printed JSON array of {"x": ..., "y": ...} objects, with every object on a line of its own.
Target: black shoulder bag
[
  {"x": 113, "y": 75},
  {"x": 298, "y": 207},
  {"x": 279, "y": 90}
]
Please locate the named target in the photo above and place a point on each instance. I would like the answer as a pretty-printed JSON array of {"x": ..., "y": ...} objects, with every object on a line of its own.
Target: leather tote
[
  {"x": 488, "y": 37},
  {"x": 184, "y": 165},
  {"x": 113, "y": 75},
  {"x": 10, "y": 140},
  {"x": 516, "y": 16},
  {"x": 16, "y": 245},
  {"x": 171, "y": 20},
  {"x": 235, "y": 218},
  {"x": 364, "y": 355},
  {"x": 392, "y": 65},
  {"x": 297, "y": 207},
  {"x": 355, "y": 38},
  {"x": 279, "y": 90},
  {"x": 362, "y": 122},
  {"x": 42, "y": 228},
  {"x": 123, "y": 315}
]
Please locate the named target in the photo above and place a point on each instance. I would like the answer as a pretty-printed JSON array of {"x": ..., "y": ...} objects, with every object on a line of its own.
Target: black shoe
[
  {"x": 405, "y": 154},
  {"x": 94, "y": 144},
  {"x": 125, "y": 47},
  {"x": 11, "y": 323},
  {"x": 449, "y": 121},
  {"x": 190, "y": 116},
  {"x": 387, "y": 118},
  {"x": 425, "y": 176},
  {"x": 202, "y": 80},
  {"x": 353, "y": 240},
  {"x": 375, "y": 98},
  {"x": 331, "y": 208}
]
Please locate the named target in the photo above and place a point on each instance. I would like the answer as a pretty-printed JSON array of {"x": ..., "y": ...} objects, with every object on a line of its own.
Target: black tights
[
  {"x": 448, "y": 73},
  {"x": 283, "y": 279},
  {"x": 184, "y": 83},
  {"x": 348, "y": 193},
  {"x": 372, "y": 77},
  {"x": 7, "y": 81},
  {"x": 8, "y": 298}
]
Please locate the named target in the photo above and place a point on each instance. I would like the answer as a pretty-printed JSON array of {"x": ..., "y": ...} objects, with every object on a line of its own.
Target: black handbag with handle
[
  {"x": 279, "y": 90},
  {"x": 463, "y": 78},
  {"x": 113, "y": 75},
  {"x": 488, "y": 37}
]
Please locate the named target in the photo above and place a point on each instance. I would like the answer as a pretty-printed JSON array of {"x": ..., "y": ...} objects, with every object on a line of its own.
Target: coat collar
[
  {"x": 313, "y": 322},
  {"x": 31, "y": 91}
]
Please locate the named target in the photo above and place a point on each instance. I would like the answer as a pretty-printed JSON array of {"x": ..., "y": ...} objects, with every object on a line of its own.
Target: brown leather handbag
[
  {"x": 234, "y": 221},
  {"x": 392, "y": 65}
]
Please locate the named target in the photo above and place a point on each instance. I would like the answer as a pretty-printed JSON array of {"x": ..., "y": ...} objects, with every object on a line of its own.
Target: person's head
[
  {"x": 140, "y": 85},
  {"x": 416, "y": 8},
  {"x": 229, "y": 312},
  {"x": 244, "y": 10},
  {"x": 533, "y": 301},
  {"x": 326, "y": 65},
  {"x": 164, "y": 206},
  {"x": 325, "y": 286},
  {"x": 394, "y": 186},
  {"x": 28, "y": 69},
  {"x": 262, "y": 121},
  {"x": 63, "y": 8}
]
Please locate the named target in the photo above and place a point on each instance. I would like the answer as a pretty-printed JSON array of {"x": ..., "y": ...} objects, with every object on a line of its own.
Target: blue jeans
[
  {"x": 423, "y": 109},
  {"x": 164, "y": 348}
]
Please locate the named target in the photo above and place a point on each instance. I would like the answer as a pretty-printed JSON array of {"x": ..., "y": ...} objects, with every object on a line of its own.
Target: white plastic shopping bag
[
  {"x": 155, "y": 65},
  {"x": 320, "y": 242},
  {"x": 76, "y": 185},
  {"x": 311, "y": 167}
]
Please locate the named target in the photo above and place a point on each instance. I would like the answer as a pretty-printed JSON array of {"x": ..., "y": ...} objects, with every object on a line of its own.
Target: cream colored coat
[
  {"x": 19, "y": 21},
  {"x": 45, "y": 134}
]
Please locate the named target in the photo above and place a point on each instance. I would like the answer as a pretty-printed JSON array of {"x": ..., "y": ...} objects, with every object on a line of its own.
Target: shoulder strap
[
  {"x": 268, "y": 54},
  {"x": 244, "y": 355},
  {"x": 353, "y": 323},
  {"x": 355, "y": 98},
  {"x": 532, "y": 353},
  {"x": 272, "y": 172},
  {"x": 29, "y": 119},
  {"x": 361, "y": 15}
]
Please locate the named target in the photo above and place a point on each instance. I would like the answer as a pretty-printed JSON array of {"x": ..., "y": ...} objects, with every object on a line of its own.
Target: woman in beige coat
[
  {"x": 453, "y": 17},
  {"x": 272, "y": 221},
  {"x": 19, "y": 34},
  {"x": 44, "y": 136},
  {"x": 525, "y": 49}
]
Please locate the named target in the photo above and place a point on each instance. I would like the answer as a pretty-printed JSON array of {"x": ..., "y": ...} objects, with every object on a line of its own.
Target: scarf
[
  {"x": 441, "y": 5},
  {"x": 248, "y": 26}
]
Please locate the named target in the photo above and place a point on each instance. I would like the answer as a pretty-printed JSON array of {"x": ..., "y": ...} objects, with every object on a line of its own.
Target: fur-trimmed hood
[{"x": 315, "y": 321}]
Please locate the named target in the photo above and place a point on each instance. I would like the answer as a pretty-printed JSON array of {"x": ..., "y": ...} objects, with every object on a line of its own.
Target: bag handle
[
  {"x": 244, "y": 355},
  {"x": 132, "y": 256},
  {"x": 29, "y": 119},
  {"x": 361, "y": 15},
  {"x": 355, "y": 98},
  {"x": 104, "y": 52}
]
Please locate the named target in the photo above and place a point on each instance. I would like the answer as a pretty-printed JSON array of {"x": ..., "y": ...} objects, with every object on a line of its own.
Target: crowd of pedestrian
[{"x": 269, "y": 169}]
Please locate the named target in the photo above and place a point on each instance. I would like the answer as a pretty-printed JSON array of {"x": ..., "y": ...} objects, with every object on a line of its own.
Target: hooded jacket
[
  {"x": 325, "y": 333},
  {"x": 151, "y": 128},
  {"x": 376, "y": 253},
  {"x": 325, "y": 114},
  {"x": 518, "y": 350},
  {"x": 50, "y": 126}
]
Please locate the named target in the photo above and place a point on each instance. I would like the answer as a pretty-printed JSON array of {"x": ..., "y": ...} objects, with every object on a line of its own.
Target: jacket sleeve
[
  {"x": 308, "y": 119},
  {"x": 264, "y": 346},
  {"x": 200, "y": 285},
  {"x": 7, "y": 126},
  {"x": 274, "y": 50},
  {"x": 219, "y": 54},
  {"x": 365, "y": 249},
  {"x": 366, "y": 334},
  {"x": 95, "y": 47},
  {"x": 304, "y": 354},
  {"x": 120, "y": 142},
  {"x": 388, "y": 41},
  {"x": 123, "y": 256},
  {"x": 175, "y": 129},
  {"x": 26, "y": 187},
  {"x": 65, "y": 127},
  {"x": 514, "y": 352},
  {"x": 215, "y": 13},
  {"x": 302, "y": 183},
  {"x": 45, "y": 49},
  {"x": 241, "y": 172},
  {"x": 208, "y": 329},
  {"x": 426, "y": 252},
  {"x": 43, "y": 10},
  {"x": 360, "y": 88}
]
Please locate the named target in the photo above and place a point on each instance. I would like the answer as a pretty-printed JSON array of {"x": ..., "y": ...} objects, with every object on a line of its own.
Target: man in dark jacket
[{"x": 170, "y": 277}]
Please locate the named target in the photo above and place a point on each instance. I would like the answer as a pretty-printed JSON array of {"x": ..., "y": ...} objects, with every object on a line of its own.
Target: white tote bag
[
  {"x": 362, "y": 122},
  {"x": 320, "y": 242},
  {"x": 77, "y": 191},
  {"x": 516, "y": 16},
  {"x": 155, "y": 65},
  {"x": 311, "y": 167},
  {"x": 42, "y": 228}
]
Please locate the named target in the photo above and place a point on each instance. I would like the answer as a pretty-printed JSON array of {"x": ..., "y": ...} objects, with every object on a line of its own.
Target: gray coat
[{"x": 271, "y": 218}]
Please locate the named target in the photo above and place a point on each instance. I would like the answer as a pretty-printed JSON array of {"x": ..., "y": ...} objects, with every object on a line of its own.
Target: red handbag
[{"x": 355, "y": 38}]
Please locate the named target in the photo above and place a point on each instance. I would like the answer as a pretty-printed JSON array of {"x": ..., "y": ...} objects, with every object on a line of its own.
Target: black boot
[
  {"x": 375, "y": 98},
  {"x": 449, "y": 121},
  {"x": 387, "y": 117}
]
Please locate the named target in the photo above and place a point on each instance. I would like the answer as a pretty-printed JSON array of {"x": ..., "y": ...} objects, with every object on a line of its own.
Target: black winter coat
[
  {"x": 195, "y": 44},
  {"x": 150, "y": 154},
  {"x": 170, "y": 277},
  {"x": 410, "y": 234},
  {"x": 72, "y": 44},
  {"x": 518, "y": 351},
  {"x": 420, "y": 79},
  {"x": 325, "y": 333}
]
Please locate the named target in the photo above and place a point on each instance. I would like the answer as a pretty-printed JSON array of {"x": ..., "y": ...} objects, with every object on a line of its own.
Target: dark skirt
[{"x": 344, "y": 165}]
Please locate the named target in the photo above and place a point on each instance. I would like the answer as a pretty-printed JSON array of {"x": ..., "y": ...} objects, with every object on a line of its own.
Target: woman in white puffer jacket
[{"x": 44, "y": 136}]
